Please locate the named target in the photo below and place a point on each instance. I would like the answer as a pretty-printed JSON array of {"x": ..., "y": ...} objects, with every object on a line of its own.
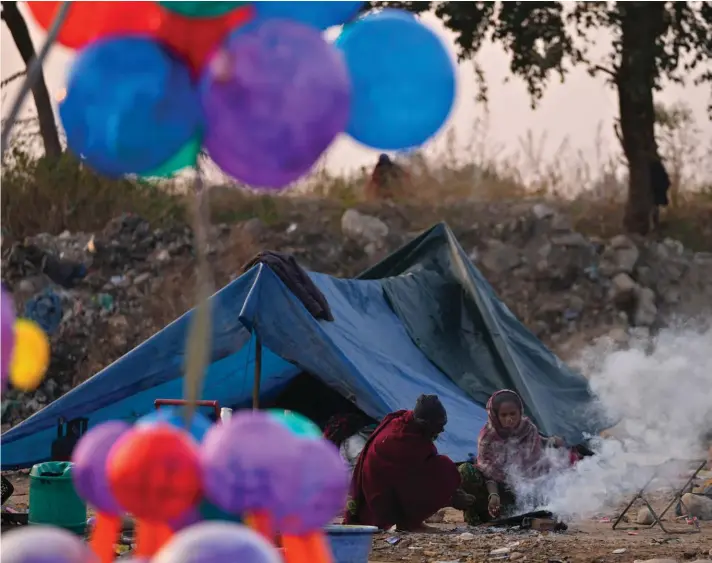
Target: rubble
[{"x": 111, "y": 286}]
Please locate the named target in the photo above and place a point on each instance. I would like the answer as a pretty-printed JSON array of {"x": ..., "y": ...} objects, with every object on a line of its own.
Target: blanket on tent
[{"x": 296, "y": 279}]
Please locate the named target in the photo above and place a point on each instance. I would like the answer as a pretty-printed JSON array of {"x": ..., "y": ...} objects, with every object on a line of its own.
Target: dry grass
[{"x": 42, "y": 197}]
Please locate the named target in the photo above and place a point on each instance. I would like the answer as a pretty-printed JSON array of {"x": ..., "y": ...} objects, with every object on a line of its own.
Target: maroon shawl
[
  {"x": 399, "y": 477},
  {"x": 499, "y": 451}
]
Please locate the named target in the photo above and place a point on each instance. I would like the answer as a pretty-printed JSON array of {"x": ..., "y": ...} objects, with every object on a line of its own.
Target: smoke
[{"x": 662, "y": 396}]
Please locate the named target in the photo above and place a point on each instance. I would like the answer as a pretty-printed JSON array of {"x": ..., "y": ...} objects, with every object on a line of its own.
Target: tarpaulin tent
[{"x": 422, "y": 321}]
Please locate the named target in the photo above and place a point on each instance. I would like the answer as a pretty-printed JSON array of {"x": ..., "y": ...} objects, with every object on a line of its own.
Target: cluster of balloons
[
  {"x": 25, "y": 353},
  {"x": 272, "y": 469},
  {"x": 255, "y": 84}
]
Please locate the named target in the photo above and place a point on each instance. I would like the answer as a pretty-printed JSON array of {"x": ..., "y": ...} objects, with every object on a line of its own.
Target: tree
[
  {"x": 17, "y": 26},
  {"x": 651, "y": 42}
]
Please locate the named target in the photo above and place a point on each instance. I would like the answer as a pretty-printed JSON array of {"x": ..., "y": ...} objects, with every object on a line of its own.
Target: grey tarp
[{"x": 454, "y": 316}]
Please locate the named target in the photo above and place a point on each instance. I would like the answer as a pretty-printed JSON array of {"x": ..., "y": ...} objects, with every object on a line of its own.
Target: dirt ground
[{"x": 587, "y": 541}]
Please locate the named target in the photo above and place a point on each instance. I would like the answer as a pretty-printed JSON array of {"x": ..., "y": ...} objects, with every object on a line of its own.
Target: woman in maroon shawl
[
  {"x": 399, "y": 478},
  {"x": 508, "y": 445}
]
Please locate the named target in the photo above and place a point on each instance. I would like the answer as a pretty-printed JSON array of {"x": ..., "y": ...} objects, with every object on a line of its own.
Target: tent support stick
[{"x": 258, "y": 372}]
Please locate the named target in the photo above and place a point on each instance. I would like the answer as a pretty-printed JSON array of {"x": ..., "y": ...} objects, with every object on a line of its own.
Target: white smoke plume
[{"x": 662, "y": 395}]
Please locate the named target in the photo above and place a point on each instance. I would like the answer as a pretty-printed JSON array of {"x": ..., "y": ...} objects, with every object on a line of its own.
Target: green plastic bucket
[{"x": 53, "y": 499}]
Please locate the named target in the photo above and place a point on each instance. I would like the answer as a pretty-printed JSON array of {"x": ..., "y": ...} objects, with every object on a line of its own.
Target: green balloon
[
  {"x": 298, "y": 424},
  {"x": 184, "y": 158},
  {"x": 201, "y": 9}
]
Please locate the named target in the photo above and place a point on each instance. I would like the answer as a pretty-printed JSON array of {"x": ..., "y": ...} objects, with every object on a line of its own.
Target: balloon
[
  {"x": 319, "y": 490},
  {"x": 217, "y": 542},
  {"x": 247, "y": 463},
  {"x": 403, "y": 80},
  {"x": 7, "y": 334},
  {"x": 192, "y": 39},
  {"x": 195, "y": 40},
  {"x": 44, "y": 544},
  {"x": 320, "y": 15},
  {"x": 89, "y": 21},
  {"x": 30, "y": 356},
  {"x": 298, "y": 424},
  {"x": 90, "y": 457},
  {"x": 199, "y": 423},
  {"x": 184, "y": 158},
  {"x": 274, "y": 100},
  {"x": 201, "y": 9},
  {"x": 130, "y": 106},
  {"x": 154, "y": 472}
]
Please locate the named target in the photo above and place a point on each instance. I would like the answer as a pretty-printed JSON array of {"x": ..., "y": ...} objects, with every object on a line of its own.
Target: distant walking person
[{"x": 385, "y": 180}]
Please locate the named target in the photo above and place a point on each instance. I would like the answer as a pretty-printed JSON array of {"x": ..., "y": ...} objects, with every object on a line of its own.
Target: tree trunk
[
  {"x": 640, "y": 22},
  {"x": 21, "y": 36}
]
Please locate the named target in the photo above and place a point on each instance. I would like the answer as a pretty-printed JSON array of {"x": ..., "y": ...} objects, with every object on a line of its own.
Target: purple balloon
[
  {"x": 320, "y": 488},
  {"x": 89, "y": 470},
  {"x": 248, "y": 464},
  {"x": 44, "y": 544},
  {"x": 275, "y": 98},
  {"x": 216, "y": 542},
  {"x": 7, "y": 334}
]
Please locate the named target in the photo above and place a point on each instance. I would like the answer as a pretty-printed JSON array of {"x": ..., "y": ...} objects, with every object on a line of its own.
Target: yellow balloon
[{"x": 30, "y": 355}]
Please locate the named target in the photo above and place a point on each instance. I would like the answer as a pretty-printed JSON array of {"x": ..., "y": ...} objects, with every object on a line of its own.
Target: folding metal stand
[{"x": 679, "y": 492}]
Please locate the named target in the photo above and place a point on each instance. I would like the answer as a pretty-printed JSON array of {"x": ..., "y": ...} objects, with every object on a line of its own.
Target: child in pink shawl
[{"x": 509, "y": 444}]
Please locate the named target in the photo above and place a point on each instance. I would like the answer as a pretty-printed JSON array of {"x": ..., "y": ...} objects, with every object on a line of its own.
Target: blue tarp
[
  {"x": 365, "y": 354},
  {"x": 424, "y": 320}
]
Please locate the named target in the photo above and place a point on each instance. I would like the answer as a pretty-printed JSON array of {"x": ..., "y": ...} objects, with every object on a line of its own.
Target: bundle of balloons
[
  {"x": 254, "y": 84},
  {"x": 271, "y": 469},
  {"x": 25, "y": 353}
]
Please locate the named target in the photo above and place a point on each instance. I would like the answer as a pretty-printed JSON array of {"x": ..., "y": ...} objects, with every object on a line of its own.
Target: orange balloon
[
  {"x": 89, "y": 21},
  {"x": 154, "y": 472},
  {"x": 195, "y": 39}
]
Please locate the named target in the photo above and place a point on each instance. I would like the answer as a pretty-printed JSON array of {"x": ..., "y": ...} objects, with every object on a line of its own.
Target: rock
[
  {"x": 255, "y": 228},
  {"x": 698, "y": 506},
  {"x": 623, "y": 290},
  {"x": 515, "y": 555},
  {"x": 645, "y": 517},
  {"x": 646, "y": 311},
  {"x": 363, "y": 228},
  {"x": 500, "y": 257},
  {"x": 142, "y": 278},
  {"x": 621, "y": 255},
  {"x": 570, "y": 239},
  {"x": 542, "y": 211},
  {"x": 163, "y": 255}
]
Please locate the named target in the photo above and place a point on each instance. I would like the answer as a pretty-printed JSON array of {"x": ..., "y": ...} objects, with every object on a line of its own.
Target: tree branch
[{"x": 12, "y": 77}]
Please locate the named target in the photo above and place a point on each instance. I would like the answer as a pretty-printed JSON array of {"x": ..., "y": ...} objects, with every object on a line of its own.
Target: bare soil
[{"x": 586, "y": 541}]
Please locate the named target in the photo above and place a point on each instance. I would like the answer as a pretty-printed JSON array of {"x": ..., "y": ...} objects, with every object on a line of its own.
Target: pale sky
[{"x": 574, "y": 111}]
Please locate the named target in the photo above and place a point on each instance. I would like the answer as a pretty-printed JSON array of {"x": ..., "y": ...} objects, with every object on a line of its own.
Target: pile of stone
[{"x": 569, "y": 289}]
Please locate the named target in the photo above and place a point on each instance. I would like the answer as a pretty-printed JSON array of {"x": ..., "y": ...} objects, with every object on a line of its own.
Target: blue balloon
[
  {"x": 199, "y": 424},
  {"x": 403, "y": 80},
  {"x": 130, "y": 106},
  {"x": 321, "y": 15}
]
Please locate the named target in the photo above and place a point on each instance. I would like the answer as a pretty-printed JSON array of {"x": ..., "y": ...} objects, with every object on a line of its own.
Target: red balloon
[
  {"x": 154, "y": 472},
  {"x": 89, "y": 21},
  {"x": 193, "y": 39}
]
